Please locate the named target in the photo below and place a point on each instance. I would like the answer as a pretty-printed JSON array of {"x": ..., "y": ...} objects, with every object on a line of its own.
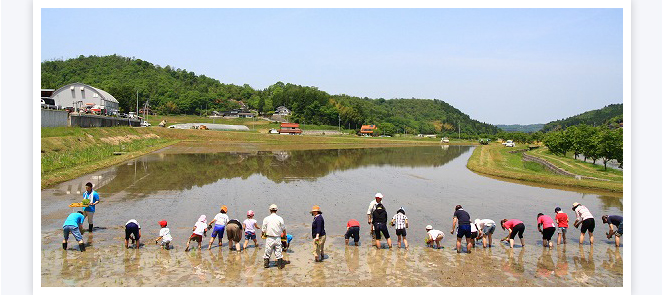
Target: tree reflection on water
[{"x": 157, "y": 172}]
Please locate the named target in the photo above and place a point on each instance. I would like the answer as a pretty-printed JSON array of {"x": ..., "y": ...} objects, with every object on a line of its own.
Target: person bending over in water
[
  {"x": 199, "y": 229},
  {"x": 584, "y": 217},
  {"x": 400, "y": 221},
  {"x": 546, "y": 227},
  {"x": 352, "y": 230},
  {"x": 72, "y": 225},
  {"x": 132, "y": 231},
  {"x": 514, "y": 226},
  {"x": 164, "y": 235},
  {"x": 486, "y": 228},
  {"x": 434, "y": 236},
  {"x": 616, "y": 225},
  {"x": 220, "y": 221}
]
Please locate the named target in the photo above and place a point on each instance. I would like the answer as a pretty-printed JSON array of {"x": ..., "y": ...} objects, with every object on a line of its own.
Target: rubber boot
[
  {"x": 280, "y": 263},
  {"x": 64, "y": 246},
  {"x": 81, "y": 246},
  {"x": 90, "y": 227},
  {"x": 266, "y": 262}
]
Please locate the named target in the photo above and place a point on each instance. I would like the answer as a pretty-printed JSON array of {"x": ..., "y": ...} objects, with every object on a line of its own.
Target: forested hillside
[
  {"x": 531, "y": 128},
  {"x": 610, "y": 115},
  {"x": 178, "y": 91}
]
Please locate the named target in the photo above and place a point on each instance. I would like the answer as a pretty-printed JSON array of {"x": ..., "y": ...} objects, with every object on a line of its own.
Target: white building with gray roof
[{"x": 79, "y": 95}]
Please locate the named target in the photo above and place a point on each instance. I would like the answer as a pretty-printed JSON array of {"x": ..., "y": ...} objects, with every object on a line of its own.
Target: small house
[
  {"x": 368, "y": 130},
  {"x": 282, "y": 111},
  {"x": 290, "y": 128}
]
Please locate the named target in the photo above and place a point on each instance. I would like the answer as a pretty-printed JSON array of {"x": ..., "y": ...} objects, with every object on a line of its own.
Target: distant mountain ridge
[
  {"x": 610, "y": 114},
  {"x": 530, "y": 128}
]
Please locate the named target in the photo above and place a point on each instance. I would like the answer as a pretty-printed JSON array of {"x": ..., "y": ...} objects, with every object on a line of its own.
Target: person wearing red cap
[{"x": 164, "y": 235}]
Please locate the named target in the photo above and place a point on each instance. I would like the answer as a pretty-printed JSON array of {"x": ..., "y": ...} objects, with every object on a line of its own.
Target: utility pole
[
  {"x": 459, "y": 130},
  {"x": 339, "y": 122},
  {"x": 136, "y": 102}
]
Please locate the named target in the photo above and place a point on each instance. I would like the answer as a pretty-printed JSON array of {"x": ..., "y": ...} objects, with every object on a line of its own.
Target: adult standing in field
[
  {"x": 273, "y": 227},
  {"x": 371, "y": 207},
  {"x": 546, "y": 227},
  {"x": 462, "y": 219},
  {"x": 379, "y": 219},
  {"x": 318, "y": 233},
  {"x": 220, "y": 221},
  {"x": 514, "y": 226},
  {"x": 562, "y": 223},
  {"x": 486, "y": 228},
  {"x": 72, "y": 225},
  {"x": 616, "y": 225},
  {"x": 93, "y": 196},
  {"x": 584, "y": 217}
]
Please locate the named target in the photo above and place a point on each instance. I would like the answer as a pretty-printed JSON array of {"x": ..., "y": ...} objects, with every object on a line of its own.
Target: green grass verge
[
  {"x": 495, "y": 160},
  {"x": 578, "y": 166}
]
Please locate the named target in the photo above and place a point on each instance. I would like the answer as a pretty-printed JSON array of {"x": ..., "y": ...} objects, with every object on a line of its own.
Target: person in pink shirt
[
  {"x": 546, "y": 227},
  {"x": 514, "y": 226}
]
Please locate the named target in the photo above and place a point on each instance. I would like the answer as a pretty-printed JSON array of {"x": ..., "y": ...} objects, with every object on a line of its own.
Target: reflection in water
[
  {"x": 183, "y": 171},
  {"x": 562, "y": 268},
  {"x": 545, "y": 265},
  {"x": 514, "y": 267},
  {"x": 611, "y": 202},
  {"x": 352, "y": 258},
  {"x": 614, "y": 262},
  {"x": 584, "y": 265}
]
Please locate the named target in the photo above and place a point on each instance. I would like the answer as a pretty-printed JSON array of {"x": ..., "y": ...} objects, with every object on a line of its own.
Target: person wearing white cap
[
  {"x": 584, "y": 217},
  {"x": 433, "y": 236},
  {"x": 371, "y": 208},
  {"x": 272, "y": 228}
]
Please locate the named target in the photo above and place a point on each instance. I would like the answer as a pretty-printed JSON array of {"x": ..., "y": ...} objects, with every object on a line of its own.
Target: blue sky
[{"x": 500, "y": 66}]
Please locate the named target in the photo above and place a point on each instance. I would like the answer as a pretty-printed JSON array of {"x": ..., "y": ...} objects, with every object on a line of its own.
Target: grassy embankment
[
  {"x": 256, "y": 124},
  {"x": 494, "y": 160},
  {"x": 69, "y": 152}
]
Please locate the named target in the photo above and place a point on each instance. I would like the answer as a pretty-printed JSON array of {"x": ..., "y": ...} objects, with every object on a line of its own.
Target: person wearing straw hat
[
  {"x": 318, "y": 233},
  {"x": 272, "y": 228},
  {"x": 220, "y": 221},
  {"x": 371, "y": 207},
  {"x": 584, "y": 217}
]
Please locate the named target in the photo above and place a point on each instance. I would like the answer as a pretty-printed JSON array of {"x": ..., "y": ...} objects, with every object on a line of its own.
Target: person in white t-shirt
[
  {"x": 220, "y": 221},
  {"x": 199, "y": 229},
  {"x": 250, "y": 225},
  {"x": 164, "y": 235},
  {"x": 486, "y": 228},
  {"x": 433, "y": 236}
]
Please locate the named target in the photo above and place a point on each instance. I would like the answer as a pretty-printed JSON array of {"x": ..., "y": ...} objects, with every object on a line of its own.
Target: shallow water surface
[{"x": 427, "y": 181}]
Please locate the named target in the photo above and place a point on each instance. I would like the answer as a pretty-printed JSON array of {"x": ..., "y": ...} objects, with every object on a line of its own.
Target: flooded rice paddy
[{"x": 178, "y": 185}]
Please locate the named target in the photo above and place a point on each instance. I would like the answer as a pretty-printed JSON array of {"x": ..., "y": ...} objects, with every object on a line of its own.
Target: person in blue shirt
[
  {"x": 71, "y": 225},
  {"x": 93, "y": 196}
]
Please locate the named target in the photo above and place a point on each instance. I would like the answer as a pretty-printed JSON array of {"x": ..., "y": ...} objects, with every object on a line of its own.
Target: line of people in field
[{"x": 277, "y": 239}]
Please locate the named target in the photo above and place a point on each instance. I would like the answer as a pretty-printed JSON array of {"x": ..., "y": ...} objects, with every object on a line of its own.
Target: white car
[
  {"x": 145, "y": 124},
  {"x": 509, "y": 143}
]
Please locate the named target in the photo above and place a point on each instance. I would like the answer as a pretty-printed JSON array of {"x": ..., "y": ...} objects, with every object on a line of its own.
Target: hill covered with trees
[
  {"x": 177, "y": 91},
  {"x": 531, "y": 128},
  {"x": 610, "y": 115}
]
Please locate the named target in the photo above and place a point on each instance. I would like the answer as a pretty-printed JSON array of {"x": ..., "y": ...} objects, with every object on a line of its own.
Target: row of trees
[
  {"x": 592, "y": 142},
  {"x": 178, "y": 91}
]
